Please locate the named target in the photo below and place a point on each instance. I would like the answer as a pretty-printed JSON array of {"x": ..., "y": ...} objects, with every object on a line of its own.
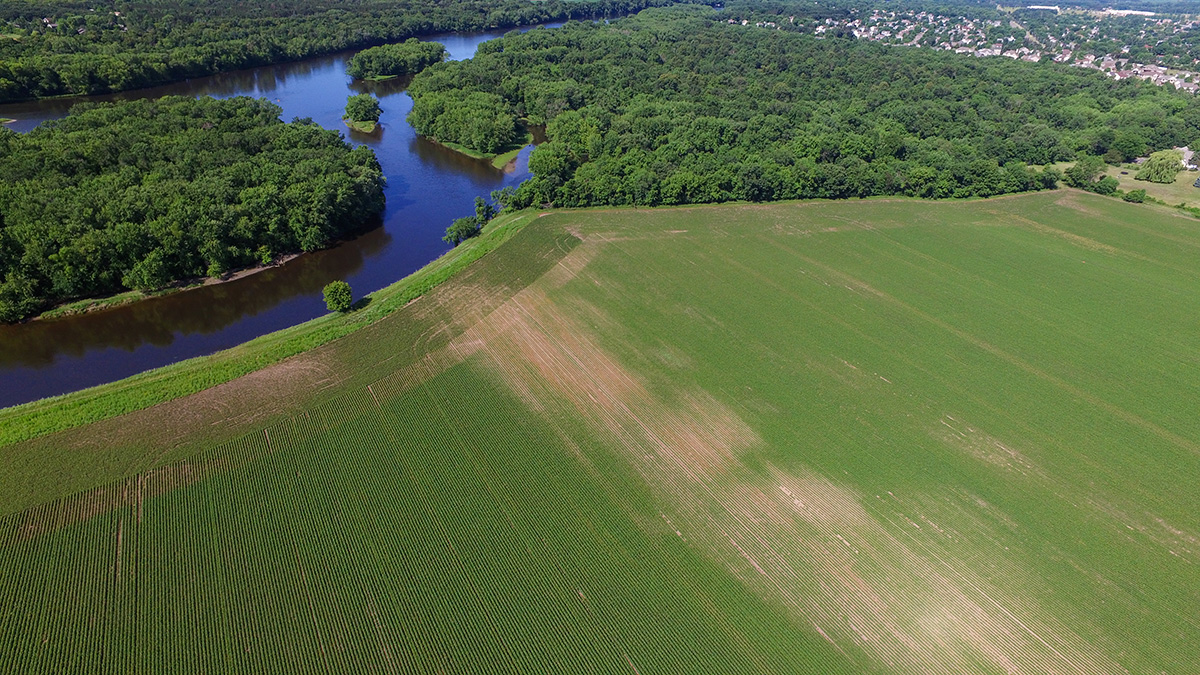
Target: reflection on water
[
  {"x": 382, "y": 88},
  {"x": 428, "y": 186},
  {"x": 365, "y": 138},
  {"x": 204, "y": 309},
  {"x": 256, "y": 82},
  {"x": 445, "y": 159}
]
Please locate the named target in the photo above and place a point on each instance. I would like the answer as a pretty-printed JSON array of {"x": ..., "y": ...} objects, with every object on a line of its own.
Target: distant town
[{"x": 1121, "y": 43}]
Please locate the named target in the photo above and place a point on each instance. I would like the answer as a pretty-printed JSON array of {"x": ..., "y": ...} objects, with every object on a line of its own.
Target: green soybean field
[{"x": 884, "y": 436}]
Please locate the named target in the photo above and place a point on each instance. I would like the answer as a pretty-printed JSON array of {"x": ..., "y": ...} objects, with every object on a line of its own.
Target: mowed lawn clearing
[
  {"x": 1180, "y": 191},
  {"x": 880, "y": 436}
]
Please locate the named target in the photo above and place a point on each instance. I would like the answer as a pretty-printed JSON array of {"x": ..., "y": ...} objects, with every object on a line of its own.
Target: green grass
[
  {"x": 1179, "y": 192},
  {"x": 1172, "y": 194},
  {"x": 883, "y": 436},
  {"x": 364, "y": 127},
  {"x": 50, "y": 415},
  {"x": 498, "y": 160},
  {"x": 501, "y": 160}
]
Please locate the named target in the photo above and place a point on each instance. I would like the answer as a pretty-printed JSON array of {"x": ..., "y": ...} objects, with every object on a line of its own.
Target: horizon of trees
[
  {"x": 75, "y": 47},
  {"x": 678, "y": 106}
]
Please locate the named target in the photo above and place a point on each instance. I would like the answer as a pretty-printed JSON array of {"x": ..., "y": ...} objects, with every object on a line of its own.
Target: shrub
[
  {"x": 338, "y": 297},
  {"x": 1106, "y": 186}
]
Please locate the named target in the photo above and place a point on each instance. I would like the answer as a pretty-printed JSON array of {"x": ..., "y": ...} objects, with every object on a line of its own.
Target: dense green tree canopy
[
  {"x": 1085, "y": 172},
  {"x": 363, "y": 108},
  {"x": 403, "y": 58},
  {"x": 137, "y": 195},
  {"x": 338, "y": 296},
  {"x": 56, "y": 47},
  {"x": 677, "y": 105},
  {"x": 480, "y": 121},
  {"x": 1161, "y": 167}
]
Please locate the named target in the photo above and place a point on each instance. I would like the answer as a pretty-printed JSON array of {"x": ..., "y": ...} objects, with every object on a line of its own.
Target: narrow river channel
[{"x": 428, "y": 186}]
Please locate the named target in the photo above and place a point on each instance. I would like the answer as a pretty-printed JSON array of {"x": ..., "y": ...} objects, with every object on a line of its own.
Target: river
[{"x": 428, "y": 186}]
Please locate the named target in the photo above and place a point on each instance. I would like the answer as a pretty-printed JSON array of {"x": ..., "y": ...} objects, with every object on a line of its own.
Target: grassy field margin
[{"x": 38, "y": 418}]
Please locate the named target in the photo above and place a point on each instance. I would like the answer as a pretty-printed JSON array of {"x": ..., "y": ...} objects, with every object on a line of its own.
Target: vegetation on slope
[
  {"x": 60, "y": 47},
  {"x": 678, "y": 106},
  {"x": 141, "y": 194}
]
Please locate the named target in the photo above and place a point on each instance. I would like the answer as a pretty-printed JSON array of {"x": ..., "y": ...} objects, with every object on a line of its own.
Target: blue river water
[{"x": 428, "y": 186}]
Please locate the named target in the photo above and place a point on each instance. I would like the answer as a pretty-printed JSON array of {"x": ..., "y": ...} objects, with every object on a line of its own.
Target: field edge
[{"x": 31, "y": 420}]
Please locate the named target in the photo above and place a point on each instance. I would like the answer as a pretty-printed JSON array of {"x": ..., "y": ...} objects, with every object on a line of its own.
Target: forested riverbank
[
  {"x": 677, "y": 105},
  {"x": 142, "y": 194},
  {"x": 427, "y": 187},
  {"x": 72, "y": 47}
]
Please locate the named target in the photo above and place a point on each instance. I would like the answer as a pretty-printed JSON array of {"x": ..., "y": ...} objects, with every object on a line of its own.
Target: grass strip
[
  {"x": 508, "y": 154},
  {"x": 365, "y": 127},
  {"x": 500, "y": 161},
  {"x": 95, "y": 304},
  {"x": 38, "y": 418}
]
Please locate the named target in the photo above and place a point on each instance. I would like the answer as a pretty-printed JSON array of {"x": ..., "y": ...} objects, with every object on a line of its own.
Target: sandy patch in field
[
  {"x": 541, "y": 349},
  {"x": 1070, "y": 199},
  {"x": 1177, "y": 541},
  {"x": 411, "y": 376},
  {"x": 984, "y": 447},
  {"x": 873, "y": 580},
  {"x": 886, "y": 586},
  {"x": 249, "y": 399}
]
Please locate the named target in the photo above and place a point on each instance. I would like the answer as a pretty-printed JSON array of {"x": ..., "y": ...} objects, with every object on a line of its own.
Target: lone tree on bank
[
  {"x": 338, "y": 297},
  {"x": 470, "y": 226}
]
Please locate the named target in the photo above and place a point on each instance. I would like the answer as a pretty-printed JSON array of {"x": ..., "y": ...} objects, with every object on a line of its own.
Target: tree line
[
  {"x": 141, "y": 194},
  {"x": 678, "y": 106},
  {"x": 63, "y": 47}
]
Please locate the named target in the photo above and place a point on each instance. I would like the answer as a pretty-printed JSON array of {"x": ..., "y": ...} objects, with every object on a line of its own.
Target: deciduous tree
[
  {"x": 338, "y": 297},
  {"x": 363, "y": 108},
  {"x": 1161, "y": 167}
]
